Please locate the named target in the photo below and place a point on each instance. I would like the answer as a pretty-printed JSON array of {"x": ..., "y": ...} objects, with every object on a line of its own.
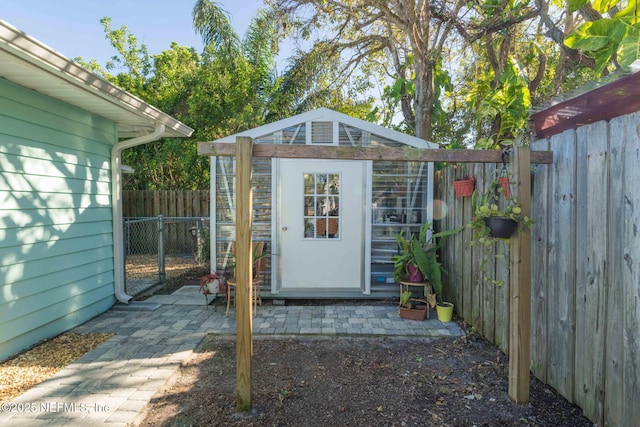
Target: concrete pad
[
  {"x": 188, "y": 290},
  {"x": 164, "y": 299},
  {"x": 138, "y": 306},
  {"x": 186, "y": 295}
]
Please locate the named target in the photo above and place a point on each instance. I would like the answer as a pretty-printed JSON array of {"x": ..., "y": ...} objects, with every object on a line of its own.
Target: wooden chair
[{"x": 256, "y": 281}]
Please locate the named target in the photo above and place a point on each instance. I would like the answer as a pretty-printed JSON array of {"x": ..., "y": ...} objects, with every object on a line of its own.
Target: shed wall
[
  {"x": 401, "y": 195},
  {"x": 585, "y": 279},
  {"x": 56, "y": 247}
]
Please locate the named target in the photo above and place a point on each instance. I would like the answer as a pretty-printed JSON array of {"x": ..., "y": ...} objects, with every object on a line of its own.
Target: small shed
[
  {"x": 62, "y": 129},
  {"x": 329, "y": 225}
]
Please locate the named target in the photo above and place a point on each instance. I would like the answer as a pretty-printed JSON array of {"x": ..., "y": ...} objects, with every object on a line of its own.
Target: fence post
[
  {"x": 520, "y": 286},
  {"x": 161, "y": 269}
]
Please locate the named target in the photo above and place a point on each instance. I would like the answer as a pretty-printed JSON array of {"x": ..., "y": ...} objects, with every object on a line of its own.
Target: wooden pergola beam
[
  {"x": 520, "y": 294},
  {"x": 401, "y": 154}
]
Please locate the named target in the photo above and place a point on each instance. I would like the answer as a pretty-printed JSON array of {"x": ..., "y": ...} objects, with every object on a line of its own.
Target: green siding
[{"x": 56, "y": 241}]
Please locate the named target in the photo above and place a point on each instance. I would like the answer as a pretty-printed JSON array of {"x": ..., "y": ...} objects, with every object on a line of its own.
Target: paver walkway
[{"x": 110, "y": 385}]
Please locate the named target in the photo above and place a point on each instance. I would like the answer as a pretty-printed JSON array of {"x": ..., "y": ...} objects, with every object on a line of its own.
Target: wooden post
[
  {"x": 244, "y": 274},
  {"x": 520, "y": 292}
]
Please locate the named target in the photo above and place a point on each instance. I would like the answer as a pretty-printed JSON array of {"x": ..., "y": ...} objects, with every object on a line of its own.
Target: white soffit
[{"x": 32, "y": 64}]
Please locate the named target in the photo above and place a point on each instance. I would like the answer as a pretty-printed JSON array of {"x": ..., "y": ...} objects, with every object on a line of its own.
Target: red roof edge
[{"x": 614, "y": 99}]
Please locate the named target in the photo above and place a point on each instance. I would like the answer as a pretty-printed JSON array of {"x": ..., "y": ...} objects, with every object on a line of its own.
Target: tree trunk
[{"x": 425, "y": 97}]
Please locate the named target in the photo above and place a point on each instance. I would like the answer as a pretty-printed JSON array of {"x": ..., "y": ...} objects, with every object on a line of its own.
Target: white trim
[
  {"x": 430, "y": 191},
  {"x": 119, "y": 279},
  {"x": 275, "y": 221},
  {"x": 325, "y": 114},
  {"x": 34, "y": 65},
  {"x": 368, "y": 202},
  {"x": 213, "y": 224}
]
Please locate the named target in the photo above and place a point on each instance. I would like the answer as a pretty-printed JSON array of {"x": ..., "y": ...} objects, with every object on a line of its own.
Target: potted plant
[
  {"x": 464, "y": 187},
  {"x": 422, "y": 252},
  {"x": 496, "y": 217},
  {"x": 409, "y": 310},
  {"x": 213, "y": 284},
  {"x": 405, "y": 266}
]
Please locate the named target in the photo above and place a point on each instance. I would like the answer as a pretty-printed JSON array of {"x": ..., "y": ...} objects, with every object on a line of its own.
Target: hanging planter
[
  {"x": 500, "y": 227},
  {"x": 464, "y": 187}
]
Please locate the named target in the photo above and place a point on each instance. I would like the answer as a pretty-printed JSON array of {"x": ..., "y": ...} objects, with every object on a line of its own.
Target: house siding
[{"x": 56, "y": 241}]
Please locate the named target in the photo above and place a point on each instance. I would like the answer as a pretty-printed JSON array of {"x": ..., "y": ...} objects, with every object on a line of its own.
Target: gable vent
[{"x": 322, "y": 132}]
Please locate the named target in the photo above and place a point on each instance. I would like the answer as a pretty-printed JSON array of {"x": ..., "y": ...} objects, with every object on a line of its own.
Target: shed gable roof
[
  {"x": 321, "y": 117},
  {"x": 31, "y": 64}
]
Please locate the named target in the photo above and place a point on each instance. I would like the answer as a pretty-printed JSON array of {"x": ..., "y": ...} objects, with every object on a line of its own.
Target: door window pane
[{"x": 321, "y": 205}]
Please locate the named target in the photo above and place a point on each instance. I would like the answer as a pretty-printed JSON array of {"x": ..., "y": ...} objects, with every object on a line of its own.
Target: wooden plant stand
[{"x": 427, "y": 290}]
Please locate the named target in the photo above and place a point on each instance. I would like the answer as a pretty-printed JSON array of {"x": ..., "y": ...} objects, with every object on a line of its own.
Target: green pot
[{"x": 444, "y": 310}]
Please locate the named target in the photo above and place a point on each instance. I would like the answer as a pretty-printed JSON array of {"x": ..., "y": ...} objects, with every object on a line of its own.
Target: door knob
[{"x": 284, "y": 228}]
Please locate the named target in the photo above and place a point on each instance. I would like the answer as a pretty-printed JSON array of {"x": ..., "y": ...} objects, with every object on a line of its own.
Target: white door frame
[{"x": 276, "y": 222}]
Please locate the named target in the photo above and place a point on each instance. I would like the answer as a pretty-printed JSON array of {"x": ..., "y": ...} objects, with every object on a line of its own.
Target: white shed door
[{"x": 322, "y": 224}]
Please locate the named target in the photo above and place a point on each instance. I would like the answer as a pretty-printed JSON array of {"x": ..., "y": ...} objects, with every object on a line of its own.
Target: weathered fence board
[
  {"x": 613, "y": 381},
  {"x": 539, "y": 272},
  {"x": 591, "y": 248},
  {"x": 561, "y": 241},
  {"x": 585, "y": 275},
  {"x": 628, "y": 388}
]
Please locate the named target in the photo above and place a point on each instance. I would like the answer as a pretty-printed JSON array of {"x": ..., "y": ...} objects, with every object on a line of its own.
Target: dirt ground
[
  {"x": 369, "y": 381},
  {"x": 320, "y": 381}
]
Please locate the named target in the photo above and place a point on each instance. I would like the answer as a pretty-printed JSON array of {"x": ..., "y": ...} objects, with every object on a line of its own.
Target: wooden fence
[
  {"x": 179, "y": 203},
  {"x": 585, "y": 296}
]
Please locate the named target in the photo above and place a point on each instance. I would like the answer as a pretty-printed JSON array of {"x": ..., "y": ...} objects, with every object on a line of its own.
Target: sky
[{"x": 72, "y": 27}]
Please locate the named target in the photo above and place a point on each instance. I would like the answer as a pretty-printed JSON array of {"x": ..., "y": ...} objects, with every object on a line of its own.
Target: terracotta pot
[
  {"x": 417, "y": 313},
  {"x": 506, "y": 184},
  {"x": 500, "y": 227},
  {"x": 464, "y": 187}
]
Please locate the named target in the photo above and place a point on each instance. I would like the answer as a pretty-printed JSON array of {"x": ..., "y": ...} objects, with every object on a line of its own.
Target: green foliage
[
  {"x": 493, "y": 203},
  {"x": 603, "y": 38},
  {"x": 422, "y": 252},
  {"x": 480, "y": 77},
  {"x": 503, "y": 100},
  {"x": 612, "y": 39},
  {"x": 405, "y": 299},
  {"x": 212, "y": 23}
]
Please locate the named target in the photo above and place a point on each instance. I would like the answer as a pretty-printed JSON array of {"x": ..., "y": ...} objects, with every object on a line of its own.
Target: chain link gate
[{"x": 162, "y": 248}]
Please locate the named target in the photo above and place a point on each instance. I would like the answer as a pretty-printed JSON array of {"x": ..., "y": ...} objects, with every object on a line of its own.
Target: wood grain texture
[
  {"x": 244, "y": 343},
  {"x": 520, "y": 310},
  {"x": 402, "y": 154}
]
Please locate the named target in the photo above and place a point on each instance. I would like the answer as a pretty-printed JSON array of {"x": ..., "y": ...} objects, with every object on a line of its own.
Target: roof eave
[
  {"x": 76, "y": 80},
  {"x": 328, "y": 114},
  {"x": 620, "y": 97}
]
